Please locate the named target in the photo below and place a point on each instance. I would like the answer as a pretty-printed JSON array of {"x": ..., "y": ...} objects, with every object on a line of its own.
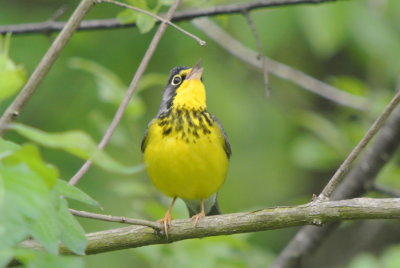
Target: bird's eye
[{"x": 176, "y": 80}]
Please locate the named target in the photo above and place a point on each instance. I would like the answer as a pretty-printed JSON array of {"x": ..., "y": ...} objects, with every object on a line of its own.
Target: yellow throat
[{"x": 190, "y": 94}]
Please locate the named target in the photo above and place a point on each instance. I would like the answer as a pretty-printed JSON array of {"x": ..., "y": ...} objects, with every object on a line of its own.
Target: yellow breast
[{"x": 185, "y": 155}]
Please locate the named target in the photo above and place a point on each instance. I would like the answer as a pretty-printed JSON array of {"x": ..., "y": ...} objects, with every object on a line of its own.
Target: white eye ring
[{"x": 176, "y": 80}]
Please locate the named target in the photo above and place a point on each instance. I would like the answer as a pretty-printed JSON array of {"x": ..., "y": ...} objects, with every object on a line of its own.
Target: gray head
[{"x": 175, "y": 79}]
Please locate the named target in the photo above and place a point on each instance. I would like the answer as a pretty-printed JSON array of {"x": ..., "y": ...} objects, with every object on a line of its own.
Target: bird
[{"x": 186, "y": 150}]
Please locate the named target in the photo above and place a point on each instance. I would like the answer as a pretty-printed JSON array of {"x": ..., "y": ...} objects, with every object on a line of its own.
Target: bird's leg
[
  {"x": 167, "y": 218},
  {"x": 200, "y": 215}
]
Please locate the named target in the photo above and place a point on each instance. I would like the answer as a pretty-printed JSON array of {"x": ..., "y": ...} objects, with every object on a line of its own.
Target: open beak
[{"x": 196, "y": 72}]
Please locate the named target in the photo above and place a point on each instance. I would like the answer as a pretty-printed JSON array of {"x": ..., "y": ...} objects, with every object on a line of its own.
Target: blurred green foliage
[
  {"x": 285, "y": 147},
  {"x": 76, "y": 143},
  {"x": 389, "y": 259},
  {"x": 31, "y": 206},
  {"x": 12, "y": 76}
]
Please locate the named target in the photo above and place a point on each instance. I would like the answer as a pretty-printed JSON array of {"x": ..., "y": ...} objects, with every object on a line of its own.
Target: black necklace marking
[{"x": 187, "y": 123}]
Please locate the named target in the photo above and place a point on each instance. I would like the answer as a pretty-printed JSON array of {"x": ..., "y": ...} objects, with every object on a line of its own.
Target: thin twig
[
  {"x": 84, "y": 214},
  {"x": 129, "y": 93},
  {"x": 341, "y": 171},
  {"x": 178, "y": 16},
  {"x": 45, "y": 64},
  {"x": 281, "y": 70},
  {"x": 385, "y": 190},
  {"x": 59, "y": 12},
  {"x": 260, "y": 51},
  {"x": 201, "y": 42}
]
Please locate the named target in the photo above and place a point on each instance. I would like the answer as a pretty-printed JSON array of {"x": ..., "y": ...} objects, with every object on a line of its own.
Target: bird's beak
[{"x": 196, "y": 72}]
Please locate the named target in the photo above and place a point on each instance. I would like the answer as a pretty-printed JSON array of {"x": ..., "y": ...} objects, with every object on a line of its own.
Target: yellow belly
[{"x": 186, "y": 168}]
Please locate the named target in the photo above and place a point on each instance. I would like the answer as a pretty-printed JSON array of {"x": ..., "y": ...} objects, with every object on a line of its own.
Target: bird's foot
[
  {"x": 197, "y": 217},
  {"x": 166, "y": 221}
]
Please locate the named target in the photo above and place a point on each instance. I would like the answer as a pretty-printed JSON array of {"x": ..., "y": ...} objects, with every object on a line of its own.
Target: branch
[
  {"x": 260, "y": 56},
  {"x": 261, "y": 220},
  {"x": 357, "y": 182},
  {"x": 46, "y": 27},
  {"x": 45, "y": 64},
  {"x": 376, "y": 126},
  {"x": 129, "y": 93},
  {"x": 201, "y": 42},
  {"x": 90, "y": 215},
  {"x": 305, "y": 81}
]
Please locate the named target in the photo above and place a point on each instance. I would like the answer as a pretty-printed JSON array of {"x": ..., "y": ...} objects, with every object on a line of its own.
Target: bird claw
[
  {"x": 197, "y": 217},
  {"x": 166, "y": 221}
]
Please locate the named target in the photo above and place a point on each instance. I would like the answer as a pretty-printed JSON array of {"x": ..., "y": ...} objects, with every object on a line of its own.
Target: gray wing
[
  {"x": 227, "y": 146},
  {"x": 144, "y": 140}
]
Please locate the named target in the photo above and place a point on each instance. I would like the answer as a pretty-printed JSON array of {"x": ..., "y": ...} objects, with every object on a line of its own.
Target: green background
[{"x": 285, "y": 147}]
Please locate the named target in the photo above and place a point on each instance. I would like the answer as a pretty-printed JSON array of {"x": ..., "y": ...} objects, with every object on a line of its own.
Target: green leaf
[
  {"x": 391, "y": 257},
  {"x": 7, "y": 148},
  {"x": 29, "y": 154},
  {"x": 11, "y": 81},
  {"x": 152, "y": 80},
  {"x": 111, "y": 88},
  {"x": 145, "y": 23},
  {"x": 76, "y": 143},
  {"x": 364, "y": 260},
  {"x": 46, "y": 230},
  {"x": 127, "y": 16},
  {"x": 27, "y": 184},
  {"x": 12, "y": 76},
  {"x": 166, "y": 2},
  {"x": 26, "y": 195},
  {"x": 232, "y": 251},
  {"x": 2, "y": 197},
  {"x": 25, "y": 191},
  {"x": 324, "y": 129},
  {"x": 350, "y": 84},
  {"x": 30, "y": 206},
  {"x": 72, "y": 233},
  {"x": 51, "y": 261},
  {"x": 72, "y": 192},
  {"x": 38, "y": 259},
  {"x": 106, "y": 162}
]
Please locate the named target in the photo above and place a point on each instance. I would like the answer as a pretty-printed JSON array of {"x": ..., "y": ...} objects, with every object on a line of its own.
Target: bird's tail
[{"x": 210, "y": 205}]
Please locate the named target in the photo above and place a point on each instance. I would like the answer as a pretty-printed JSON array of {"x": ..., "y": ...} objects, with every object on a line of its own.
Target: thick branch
[
  {"x": 45, "y": 64},
  {"x": 49, "y": 27},
  {"x": 261, "y": 220}
]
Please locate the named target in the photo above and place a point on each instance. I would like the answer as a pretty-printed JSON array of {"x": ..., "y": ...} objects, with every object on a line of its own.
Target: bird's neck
[
  {"x": 191, "y": 95},
  {"x": 186, "y": 124}
]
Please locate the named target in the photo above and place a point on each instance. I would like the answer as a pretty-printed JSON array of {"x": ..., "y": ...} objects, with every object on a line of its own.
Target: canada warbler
[{"x": 186, "y": 150}]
